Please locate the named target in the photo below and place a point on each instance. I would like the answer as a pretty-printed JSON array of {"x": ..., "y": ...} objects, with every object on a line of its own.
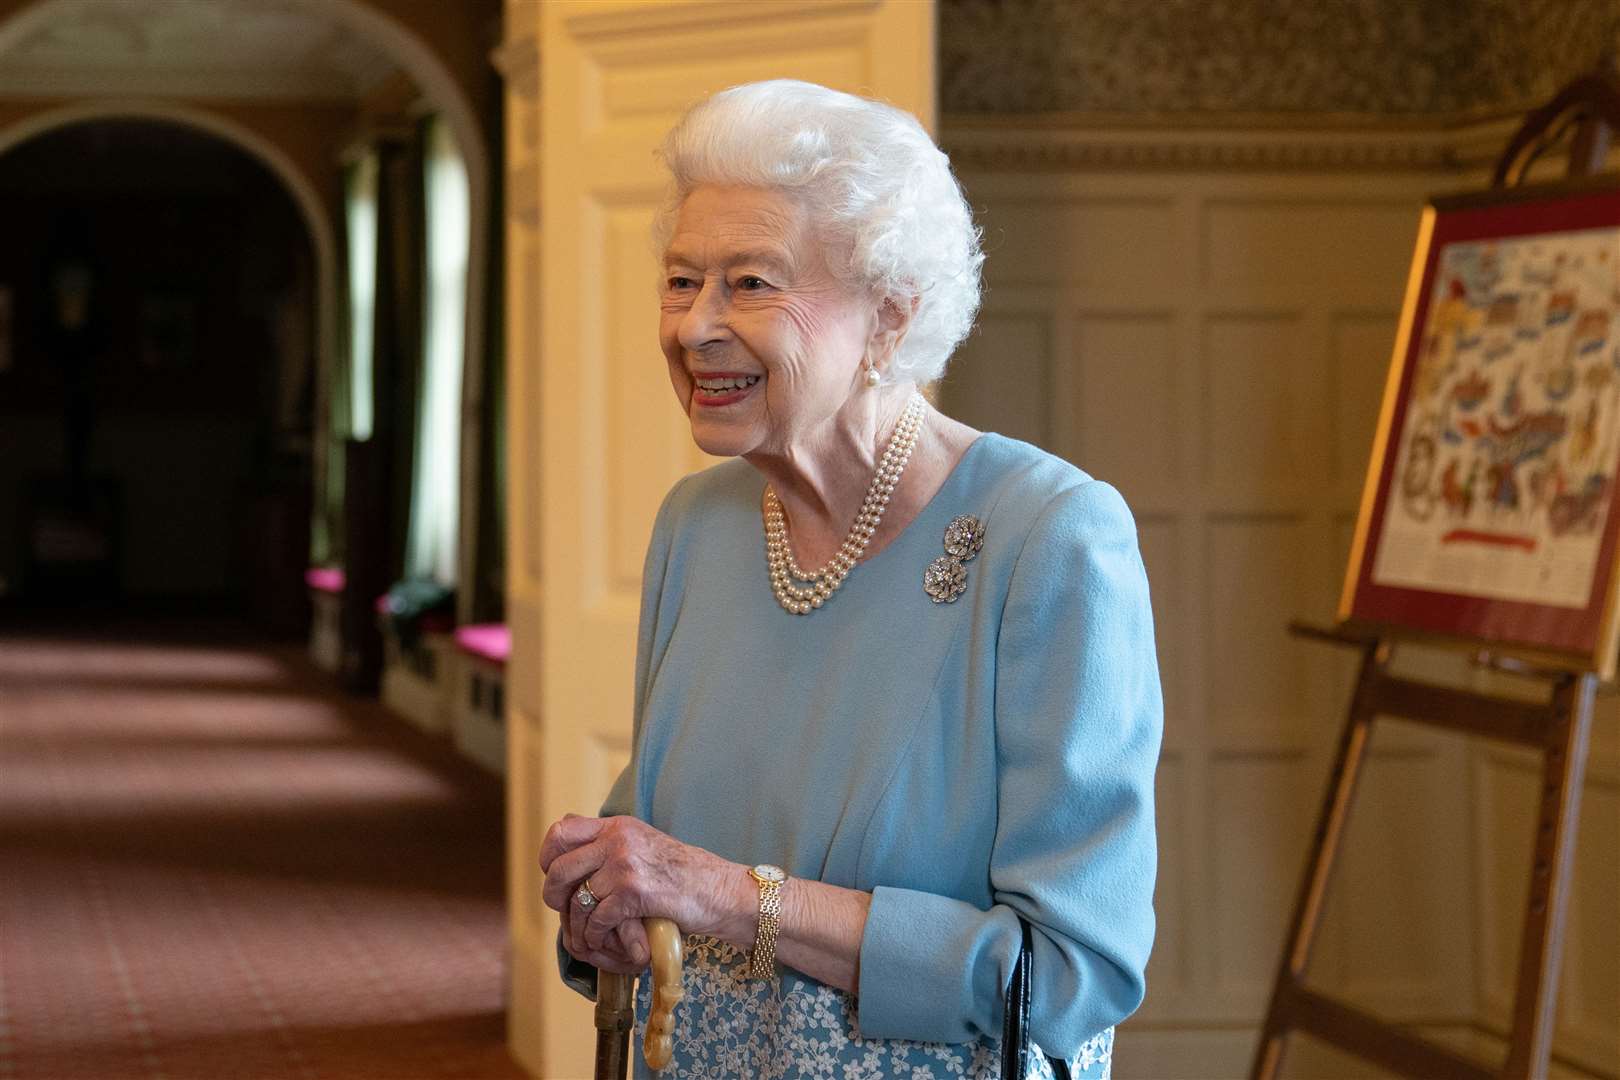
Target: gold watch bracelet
[{"x": 762, "y": 960}]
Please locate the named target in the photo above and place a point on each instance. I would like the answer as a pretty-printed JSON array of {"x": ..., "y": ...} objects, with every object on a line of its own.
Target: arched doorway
[
  {"x": 254, "y": 53},
  {"x": 161, "y": 289}
]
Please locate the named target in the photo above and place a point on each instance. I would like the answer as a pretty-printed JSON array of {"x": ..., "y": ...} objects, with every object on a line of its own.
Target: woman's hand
[
  {"x": 635, "y": 872},
  {"x": 626, "y": 953}
]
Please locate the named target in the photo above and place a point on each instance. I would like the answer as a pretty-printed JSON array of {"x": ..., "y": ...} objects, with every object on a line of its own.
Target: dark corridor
[{"x": 156, "y": 364}]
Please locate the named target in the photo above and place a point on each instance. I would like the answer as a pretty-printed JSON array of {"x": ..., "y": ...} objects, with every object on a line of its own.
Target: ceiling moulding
[
  {"x": 24, "y": 81},
  {"x": 611, "y": 21},
  {"x": 1288, "y": 142}
]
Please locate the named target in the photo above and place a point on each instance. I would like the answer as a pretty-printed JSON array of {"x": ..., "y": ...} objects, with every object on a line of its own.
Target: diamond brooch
[
  {"x": 964, "y": 537},
  {"x": 946, "y": 577}
]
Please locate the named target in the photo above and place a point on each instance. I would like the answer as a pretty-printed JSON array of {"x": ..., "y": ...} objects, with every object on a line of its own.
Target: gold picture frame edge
[
  {"x": 1603, "y": 660},
  {"x": 1386, "y": 411}
]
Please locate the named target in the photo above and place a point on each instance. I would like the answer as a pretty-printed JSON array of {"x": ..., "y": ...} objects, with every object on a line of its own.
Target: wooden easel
[{"x": 1560, "y": 728}]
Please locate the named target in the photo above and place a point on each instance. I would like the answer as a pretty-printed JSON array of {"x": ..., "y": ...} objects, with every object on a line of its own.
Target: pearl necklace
[{"x": 785, "y": 570}]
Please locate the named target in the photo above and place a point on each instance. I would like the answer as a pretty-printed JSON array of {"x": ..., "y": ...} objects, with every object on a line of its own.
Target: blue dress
[{"x": 967, "y": 763}]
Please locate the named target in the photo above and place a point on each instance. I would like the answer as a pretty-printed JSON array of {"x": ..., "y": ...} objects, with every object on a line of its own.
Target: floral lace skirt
[{"x": 791, "y": 1028}]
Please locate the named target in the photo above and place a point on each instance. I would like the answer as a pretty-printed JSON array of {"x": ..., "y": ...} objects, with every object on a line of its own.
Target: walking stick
[{"x": 616, "y": 1010}]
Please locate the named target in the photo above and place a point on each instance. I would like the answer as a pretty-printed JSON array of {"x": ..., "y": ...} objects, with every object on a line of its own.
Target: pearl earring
[{"x": 872, "y": 375}]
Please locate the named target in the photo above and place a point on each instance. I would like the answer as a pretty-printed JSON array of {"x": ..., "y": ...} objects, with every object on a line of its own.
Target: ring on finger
[{"x": 586, "y": 898}]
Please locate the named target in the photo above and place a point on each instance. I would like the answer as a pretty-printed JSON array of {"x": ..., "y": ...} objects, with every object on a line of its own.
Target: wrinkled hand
[
  {"x": 635, "y": 872},
  {"x": 626, "y": 952}
]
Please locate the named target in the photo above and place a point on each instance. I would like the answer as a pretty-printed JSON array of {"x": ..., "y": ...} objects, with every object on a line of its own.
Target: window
[
  {"x": 431, "y": 546},
  {"x": 361, "y": 204}
]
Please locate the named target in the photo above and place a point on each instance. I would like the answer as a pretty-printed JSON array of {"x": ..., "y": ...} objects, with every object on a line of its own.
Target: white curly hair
[{"x": 880, "y": 194}]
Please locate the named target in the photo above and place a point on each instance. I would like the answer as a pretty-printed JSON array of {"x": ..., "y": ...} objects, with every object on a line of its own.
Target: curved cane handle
[{"x": 664, "y": 938}]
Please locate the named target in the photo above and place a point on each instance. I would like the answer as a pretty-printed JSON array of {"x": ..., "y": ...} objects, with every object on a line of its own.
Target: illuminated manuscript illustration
[{"x": 1507, "y": 453}]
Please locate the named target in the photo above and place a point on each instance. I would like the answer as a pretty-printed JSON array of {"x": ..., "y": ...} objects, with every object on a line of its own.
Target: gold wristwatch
[{"x": 762, "y": 961}]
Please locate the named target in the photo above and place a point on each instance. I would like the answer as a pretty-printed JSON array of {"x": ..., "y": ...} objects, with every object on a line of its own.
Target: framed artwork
[{"x": 1489, "y": 515}]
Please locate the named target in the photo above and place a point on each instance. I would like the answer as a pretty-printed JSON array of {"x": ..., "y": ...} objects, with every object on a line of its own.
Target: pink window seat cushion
[
  {"x": 326, "y": 579},
  {"x": 487, "y": 641}
]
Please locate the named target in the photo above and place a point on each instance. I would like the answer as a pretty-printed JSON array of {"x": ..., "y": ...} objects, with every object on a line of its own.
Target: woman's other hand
[
  {"x": 637, "y": 872},
  {"x": 625, "y": 953}
]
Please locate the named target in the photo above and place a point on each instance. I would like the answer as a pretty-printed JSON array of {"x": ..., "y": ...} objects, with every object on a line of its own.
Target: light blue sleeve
[
  {"x": 652, "y": 634},
  {"x": 1078, "y": 718},
  {"x": 621, "y": 798}
]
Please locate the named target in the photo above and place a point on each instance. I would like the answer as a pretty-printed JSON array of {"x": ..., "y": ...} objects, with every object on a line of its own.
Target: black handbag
[{"x": 1017, "y": 1052}]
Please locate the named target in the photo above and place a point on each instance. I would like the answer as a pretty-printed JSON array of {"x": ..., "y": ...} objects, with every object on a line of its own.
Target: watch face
[{"x": 767, "y": 872}]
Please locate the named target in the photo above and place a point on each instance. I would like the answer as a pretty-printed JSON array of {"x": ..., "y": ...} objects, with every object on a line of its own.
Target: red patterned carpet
[{"x": 213, "y": 866}]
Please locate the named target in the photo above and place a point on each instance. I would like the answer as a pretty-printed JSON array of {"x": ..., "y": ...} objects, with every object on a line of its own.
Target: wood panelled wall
[{"x": 1213, "y": 340}]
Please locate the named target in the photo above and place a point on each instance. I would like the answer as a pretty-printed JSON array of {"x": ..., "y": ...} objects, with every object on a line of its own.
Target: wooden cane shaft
[{"x": 615, "y": 1016}]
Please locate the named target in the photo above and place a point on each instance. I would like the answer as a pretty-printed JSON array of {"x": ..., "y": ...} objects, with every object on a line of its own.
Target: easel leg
[
  {"x": 1563, "y": 772},
  {"x": 1319, "y": 865}
]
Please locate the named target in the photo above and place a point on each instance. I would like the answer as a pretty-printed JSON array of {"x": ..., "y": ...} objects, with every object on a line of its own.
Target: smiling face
[{"x": 764, "y": 344}]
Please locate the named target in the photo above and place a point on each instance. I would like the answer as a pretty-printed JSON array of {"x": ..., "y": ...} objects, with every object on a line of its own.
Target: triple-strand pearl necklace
[{"x": 785, "y": 570}]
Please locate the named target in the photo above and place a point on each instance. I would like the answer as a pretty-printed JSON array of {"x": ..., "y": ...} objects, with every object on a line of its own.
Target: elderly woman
[{"x": 895, "y": 686}]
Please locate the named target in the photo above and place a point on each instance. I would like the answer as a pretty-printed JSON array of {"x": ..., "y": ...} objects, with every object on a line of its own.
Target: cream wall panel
[
  {"x": 1311, "y": 1059},
  {"x": 1265, "y": 414},
  {"x": 603, "y": 758},
  {"x": 1256, "y": 837},
  {"x": 1411, "y": 884},
  {"x": 1182, "y": 1054},
  {"x": 1344, "y": 247},
  {"x": 524, "y": 431},
  {"x": 644, "y": 440},
  {"x": 1589, "y": 1005},
  {"x": 1125, "y": 383},
  {"x": 1360, "y": 349},
  {"x": 1009, "y": 377},
  {"x": 1256, "y": 676},
  {"x": 1116, "y": 242},
  {"x": 648, "y": 88},
  {"x": 1492, "y": 1047},
  {"x": 1170, "y": 898},
  {"x": 1504, "y": 830},
  {"x": 526, "y": 823},
  {"x": 1606, "y": 729},
  {"x": 523, "y": 680},
  {"x": 528, "y": 920}
]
